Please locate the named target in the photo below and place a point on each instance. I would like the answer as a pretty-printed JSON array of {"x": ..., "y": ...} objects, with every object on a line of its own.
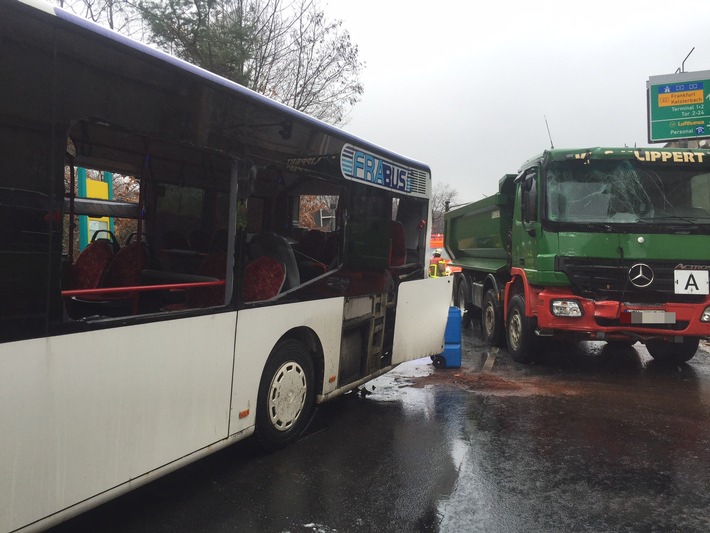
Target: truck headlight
[
  {"x": 566, "y": 308},
  {"x": 705, "y": 317}
]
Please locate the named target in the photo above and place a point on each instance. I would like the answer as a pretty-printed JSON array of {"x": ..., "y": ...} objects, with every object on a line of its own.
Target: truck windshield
[{"x": 625, "y": 192}]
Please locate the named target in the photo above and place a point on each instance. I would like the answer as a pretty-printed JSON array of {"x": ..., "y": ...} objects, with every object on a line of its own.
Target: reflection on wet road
[
  {"x": 599, "y": 442},
  {"x": 590, "y": 439}
]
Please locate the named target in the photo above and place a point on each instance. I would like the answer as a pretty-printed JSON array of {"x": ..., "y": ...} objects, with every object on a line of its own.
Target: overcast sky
[{"x": 465, "y": 86}]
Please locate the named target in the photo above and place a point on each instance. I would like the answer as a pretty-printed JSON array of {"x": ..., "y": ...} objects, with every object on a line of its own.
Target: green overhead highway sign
[{"x": 678, "y": 106}]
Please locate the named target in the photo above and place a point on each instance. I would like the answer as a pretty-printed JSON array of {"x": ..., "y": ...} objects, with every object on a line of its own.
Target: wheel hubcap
[{"x": 287, "y": 395}]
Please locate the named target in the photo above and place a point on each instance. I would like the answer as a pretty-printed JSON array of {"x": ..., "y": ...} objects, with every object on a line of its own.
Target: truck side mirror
[
  {"x": 529, "y": 199},
  {"x": 527, "y": 184}
]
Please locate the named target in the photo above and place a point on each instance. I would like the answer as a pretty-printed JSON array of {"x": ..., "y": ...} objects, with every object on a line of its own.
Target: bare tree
[
  {"x": 291, "y": 53},
  {"x": 285, "y": 49},
  {"x": 119, "y": 15},
  {"x": 304, "y": 60},
  {"x": 271, "y": 28},
  {"x": 442, "y": 196}
]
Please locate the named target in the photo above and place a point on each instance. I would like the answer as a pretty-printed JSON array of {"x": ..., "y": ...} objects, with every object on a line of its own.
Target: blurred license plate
[{"x": 647, "y": 316}]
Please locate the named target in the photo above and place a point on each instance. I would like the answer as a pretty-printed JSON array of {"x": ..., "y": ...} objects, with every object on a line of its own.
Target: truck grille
[{"x": 605, "y": 279}]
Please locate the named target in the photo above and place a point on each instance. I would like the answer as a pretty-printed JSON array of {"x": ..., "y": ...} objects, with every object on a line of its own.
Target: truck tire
[
  {"x": 673, "y": 353},
  {"x": 520, "y": 330},
  {"x": 491, "y": 319},
  {"x": 460, "y": 302}
]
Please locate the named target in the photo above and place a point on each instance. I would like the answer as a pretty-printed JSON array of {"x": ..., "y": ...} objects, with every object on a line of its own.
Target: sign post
[{"x": 678, "y": 106}]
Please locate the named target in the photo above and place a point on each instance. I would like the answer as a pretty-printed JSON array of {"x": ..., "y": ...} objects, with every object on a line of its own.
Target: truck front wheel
[
  {"x": 520, "y": 330},
  {"x": 491, "y": 319},
  {"x": 673, "y": 353},
  {"x": 460, "y": 302}
]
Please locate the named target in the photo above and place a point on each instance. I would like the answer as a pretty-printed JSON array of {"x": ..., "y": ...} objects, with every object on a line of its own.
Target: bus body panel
[
  {"x": 78, "y": 421},
  {"x": 419, "y": 330},
  {"x": 260, "y": 329}
]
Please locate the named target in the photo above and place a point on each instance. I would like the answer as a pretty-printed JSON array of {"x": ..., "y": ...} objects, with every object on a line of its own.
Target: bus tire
[
  {"x": 520, "y": 331},
  {"x": 673, "y": 353},
  {"x": 491, "y": 319},
  {"x": 286, "y": 398}
]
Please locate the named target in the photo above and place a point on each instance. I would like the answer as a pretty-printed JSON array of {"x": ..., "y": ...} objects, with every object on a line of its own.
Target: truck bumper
[{"x": 613, "y": 320}]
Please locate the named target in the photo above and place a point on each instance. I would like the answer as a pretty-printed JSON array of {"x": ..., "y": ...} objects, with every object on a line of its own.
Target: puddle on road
[
  {"x": 419, "y": 375},
  {"x": 402, "y": 377},
  {"x": 494, "y": 384}
]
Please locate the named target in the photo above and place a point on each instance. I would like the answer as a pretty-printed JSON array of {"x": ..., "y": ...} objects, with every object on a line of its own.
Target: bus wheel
[
  {"x": 286, "y": 395},
  {"x": 520, "y": 331},
  {"x": 491, "y": 320},
  {"x": 673, "y": 353}
]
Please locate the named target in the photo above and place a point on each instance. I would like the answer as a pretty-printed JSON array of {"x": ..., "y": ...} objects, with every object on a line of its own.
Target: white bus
[{"x": 261, "y": 262}]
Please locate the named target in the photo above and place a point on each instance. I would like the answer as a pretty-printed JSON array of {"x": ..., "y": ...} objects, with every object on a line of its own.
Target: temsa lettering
[{"x": 664, "y": 157}]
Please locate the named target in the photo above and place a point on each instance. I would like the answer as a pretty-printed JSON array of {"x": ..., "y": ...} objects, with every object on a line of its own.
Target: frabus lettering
[{"x": 369, "y": 168}]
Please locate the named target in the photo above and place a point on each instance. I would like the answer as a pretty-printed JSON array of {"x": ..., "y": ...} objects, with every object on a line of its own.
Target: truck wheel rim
[
  {"x": 489, "y": 319},
  {"x": 515, "y": 330},
  {"x": 287, "y": 395}
]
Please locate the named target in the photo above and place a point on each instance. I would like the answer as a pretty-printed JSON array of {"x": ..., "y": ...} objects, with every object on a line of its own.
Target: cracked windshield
[{"x": 627, "y": 192}]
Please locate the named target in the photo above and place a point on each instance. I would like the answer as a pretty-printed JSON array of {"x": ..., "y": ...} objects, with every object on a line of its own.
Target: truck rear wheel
[
  {"x": 492, "y": 319},
  {"x": 673, "y": 353},
  {"x": 520, "y": 330}
]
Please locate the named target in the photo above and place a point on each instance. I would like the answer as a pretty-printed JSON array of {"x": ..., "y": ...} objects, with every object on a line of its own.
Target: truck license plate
[
  {"x": 691, "y": 281},
  {"x": 647, "y": 316}
]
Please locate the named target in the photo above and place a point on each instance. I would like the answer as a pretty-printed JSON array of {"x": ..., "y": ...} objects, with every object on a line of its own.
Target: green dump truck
[{"x": 608, "y": 244}]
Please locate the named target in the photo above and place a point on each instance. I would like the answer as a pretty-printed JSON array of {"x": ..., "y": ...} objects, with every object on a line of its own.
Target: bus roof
[{"x": 248, "y": 94}]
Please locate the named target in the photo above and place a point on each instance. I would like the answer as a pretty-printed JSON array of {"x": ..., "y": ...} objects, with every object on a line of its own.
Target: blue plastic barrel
[{"x": 451, "y": 356}]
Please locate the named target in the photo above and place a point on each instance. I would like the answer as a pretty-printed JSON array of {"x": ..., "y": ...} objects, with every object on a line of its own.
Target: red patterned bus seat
[
  {"x": 125, "y": 268},
  {"x": 88, "y": 270},
  {"x": 263, "y": 279}
]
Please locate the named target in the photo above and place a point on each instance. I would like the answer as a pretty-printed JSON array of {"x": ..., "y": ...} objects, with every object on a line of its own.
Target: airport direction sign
[{"x": 678, "y": 106}]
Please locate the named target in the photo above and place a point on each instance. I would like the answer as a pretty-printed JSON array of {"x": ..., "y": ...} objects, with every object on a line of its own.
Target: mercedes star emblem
[{"x": 641, "y": 275}]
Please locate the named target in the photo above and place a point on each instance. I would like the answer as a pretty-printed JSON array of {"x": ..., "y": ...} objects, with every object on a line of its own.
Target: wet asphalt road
[{"x": 589, "y": 439}]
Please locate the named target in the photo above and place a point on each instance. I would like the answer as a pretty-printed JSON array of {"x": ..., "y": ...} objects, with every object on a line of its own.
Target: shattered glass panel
[{"x": 622, "y": 192}]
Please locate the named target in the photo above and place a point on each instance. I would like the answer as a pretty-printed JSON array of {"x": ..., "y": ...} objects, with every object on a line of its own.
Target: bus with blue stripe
[{"x": 248, "y": 277}]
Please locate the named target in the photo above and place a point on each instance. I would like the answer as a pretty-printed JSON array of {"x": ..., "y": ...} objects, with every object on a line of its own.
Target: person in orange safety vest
[{"x": 437, "y": 265}]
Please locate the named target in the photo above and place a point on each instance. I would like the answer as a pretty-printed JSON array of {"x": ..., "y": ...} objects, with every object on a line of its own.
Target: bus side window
[
  {"x": 171, "y": 217},
  {"x": 411, "y": 213},
  {"x": 368, "y": 230}
]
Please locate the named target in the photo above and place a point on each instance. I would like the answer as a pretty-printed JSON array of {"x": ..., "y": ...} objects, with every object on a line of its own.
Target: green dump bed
[{"x": 476, "y": 235}]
